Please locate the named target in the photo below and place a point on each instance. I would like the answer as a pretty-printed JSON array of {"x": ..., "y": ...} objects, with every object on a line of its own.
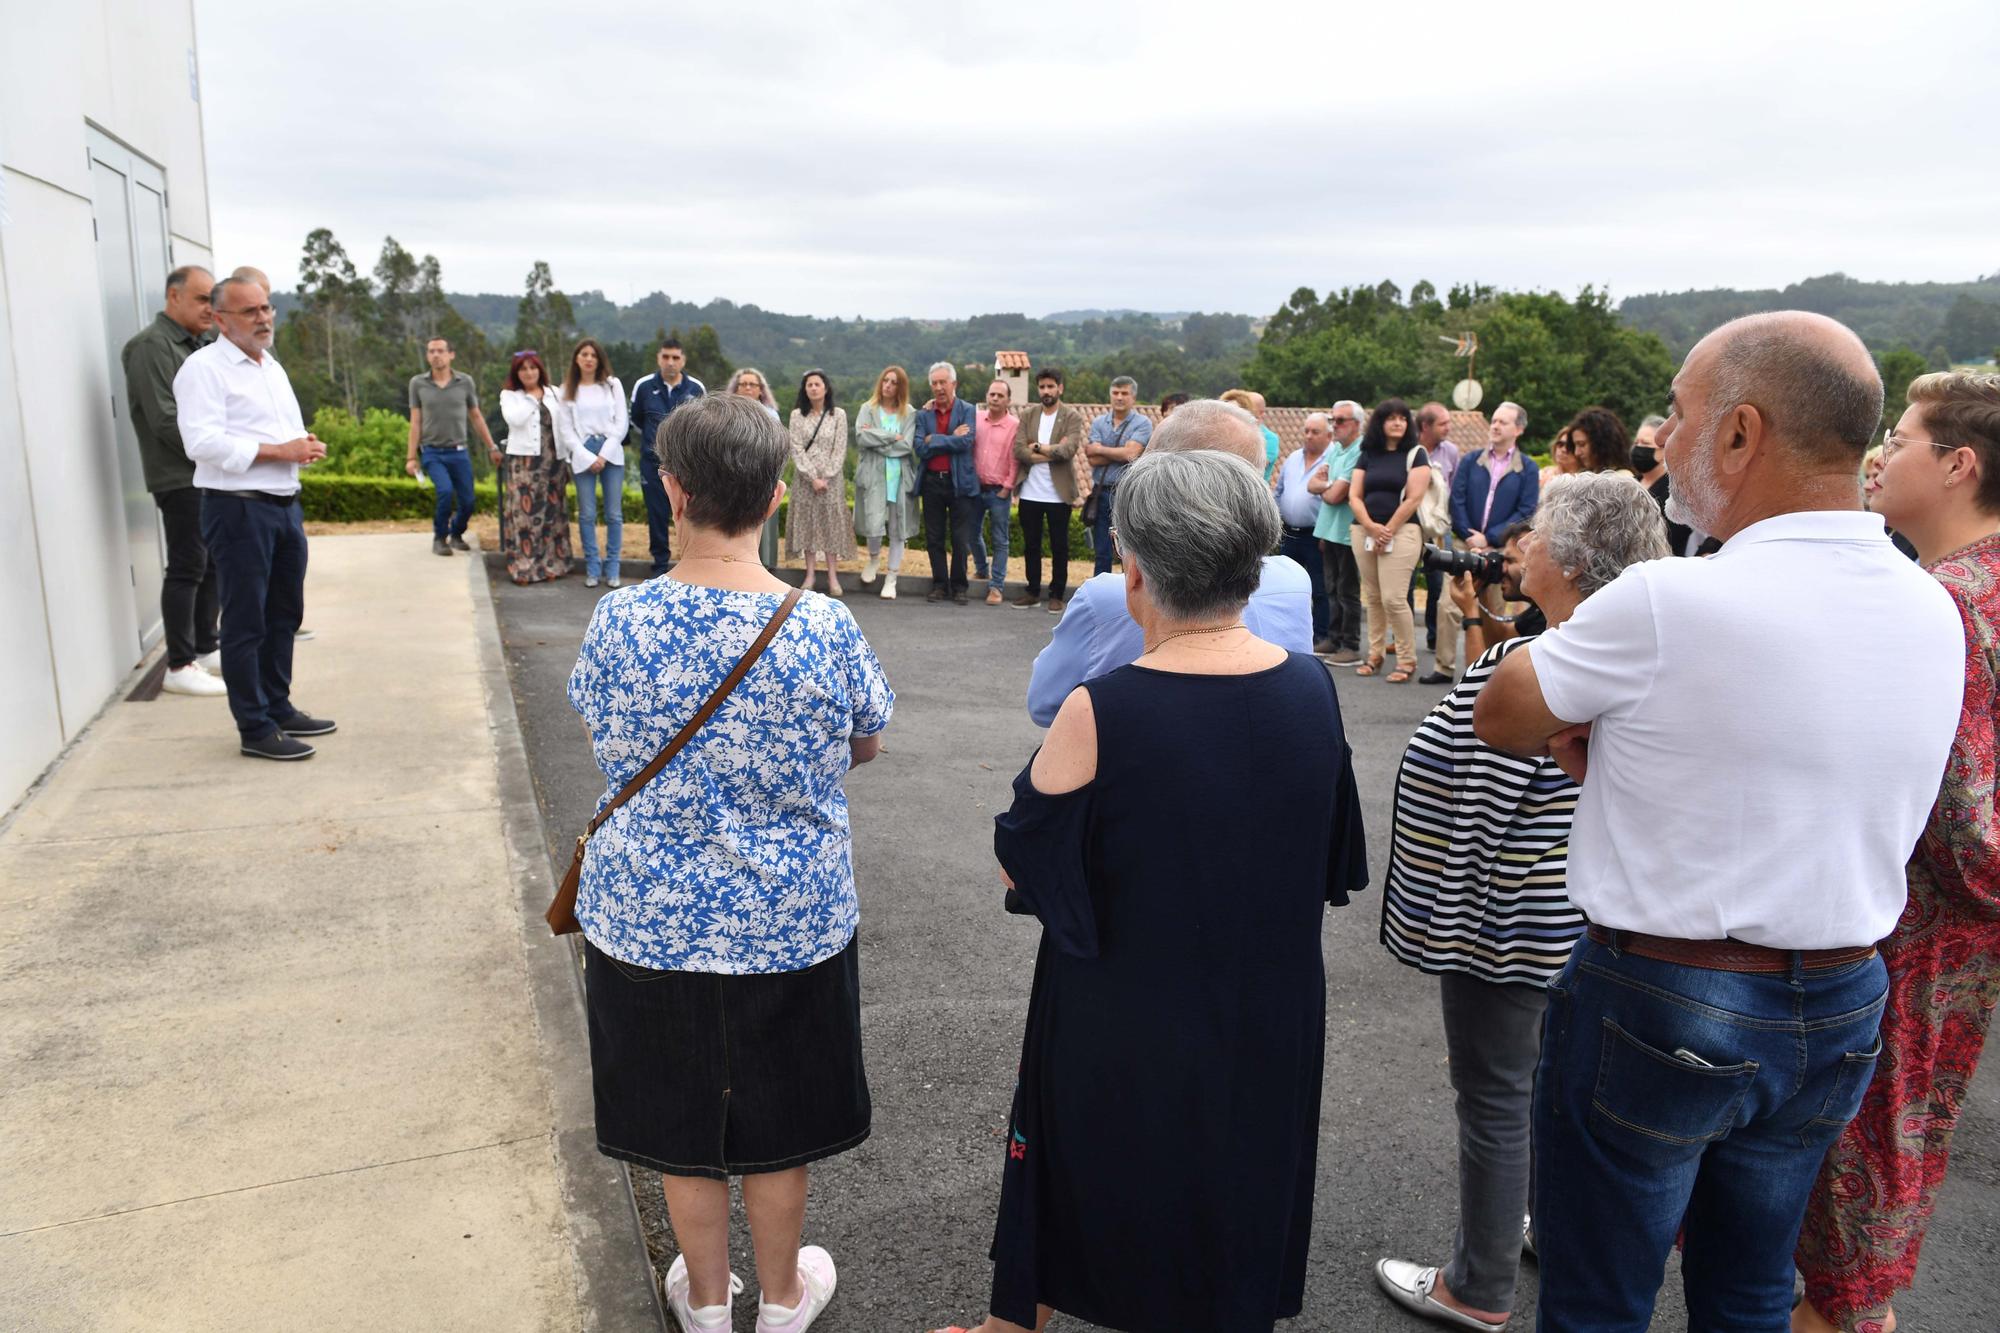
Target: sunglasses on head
[{"x": 530, "y": 352}]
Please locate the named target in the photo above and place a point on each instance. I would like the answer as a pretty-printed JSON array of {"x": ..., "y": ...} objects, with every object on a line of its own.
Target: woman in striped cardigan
[{"x": 1477, "y": 891}]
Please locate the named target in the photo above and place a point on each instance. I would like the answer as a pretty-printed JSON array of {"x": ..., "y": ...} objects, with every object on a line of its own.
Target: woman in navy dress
[{"x": 1162, "y": 1149}]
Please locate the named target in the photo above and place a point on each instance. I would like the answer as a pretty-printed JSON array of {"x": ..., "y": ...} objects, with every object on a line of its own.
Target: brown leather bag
[{"x": 562, "y": 912}]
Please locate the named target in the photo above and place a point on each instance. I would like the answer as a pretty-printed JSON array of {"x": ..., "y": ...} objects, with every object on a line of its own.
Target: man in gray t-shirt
[{"x": 443, "y": 405}]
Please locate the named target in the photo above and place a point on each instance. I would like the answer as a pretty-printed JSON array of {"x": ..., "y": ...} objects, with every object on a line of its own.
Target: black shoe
[
  {"x": 960, "y": 598},
  {"x": 438, "y": 547},
  {"x": 299, "y": 724},
  {"x": 936, "y": 595},
  {"x": 458, "y": 542},
  {"x": 1438, "y": 678},
  {"x": 278, "y": 745}
]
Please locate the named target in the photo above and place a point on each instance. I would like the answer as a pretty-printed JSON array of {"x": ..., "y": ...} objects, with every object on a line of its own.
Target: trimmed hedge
[{"x": 331, "y": 498}]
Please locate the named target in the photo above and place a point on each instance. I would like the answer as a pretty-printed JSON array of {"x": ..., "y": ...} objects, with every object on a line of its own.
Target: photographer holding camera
[{"x": 1477, "y": 889}]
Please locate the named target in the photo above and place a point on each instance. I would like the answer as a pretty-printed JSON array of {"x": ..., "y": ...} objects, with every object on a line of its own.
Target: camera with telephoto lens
[{"x": 1486, "y": 567}]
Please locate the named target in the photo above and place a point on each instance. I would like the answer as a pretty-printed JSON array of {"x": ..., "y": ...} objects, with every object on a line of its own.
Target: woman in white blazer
[
  {"x": 534, "y": 518},
  {"x": 592, "y": 423}
]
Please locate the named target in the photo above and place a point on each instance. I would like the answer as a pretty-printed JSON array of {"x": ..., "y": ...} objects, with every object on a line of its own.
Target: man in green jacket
[{"x": 188, "y": 605}]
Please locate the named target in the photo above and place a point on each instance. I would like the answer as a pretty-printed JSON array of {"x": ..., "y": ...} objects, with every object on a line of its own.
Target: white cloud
[{"x": 914, "y": 159}]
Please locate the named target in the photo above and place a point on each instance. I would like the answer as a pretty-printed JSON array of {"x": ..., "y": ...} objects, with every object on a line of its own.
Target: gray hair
[
  {"x": 1520, "y": 415},
  {"x": 727, "y": 453},
  {"x": 220, "y": 296},
  {"x": 1814, "y": 403},
  {"x": 1210, "y": 423},
  {"x": 1653, "y": 421},
  {"x": 946, "y": 366},
  {"x": 1126, "y": 382},
  {"x": 1198, "y": 525},
  {"x": 1597, "y": 523},
  {"x": 1311, "y": 417},
  {"x": 178, "y": 279}
]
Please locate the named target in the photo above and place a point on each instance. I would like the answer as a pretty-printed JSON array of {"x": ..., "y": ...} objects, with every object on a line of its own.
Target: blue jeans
[
  {"x": 1100, "y": 532},
  {"x": 1303, "y": 550},
  {"x": 659, "y": 510},
  {"x": 999, "y": 510},
  {"x": 450, "y": 471},
  {"x": 1675, "y": 1098},
  {"x": 612, "y": 480},
  {"x": 258, "y": 549}
]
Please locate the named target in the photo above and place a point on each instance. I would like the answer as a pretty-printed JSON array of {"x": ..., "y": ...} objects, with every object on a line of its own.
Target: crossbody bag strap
[{"x": 562, "y": 912}]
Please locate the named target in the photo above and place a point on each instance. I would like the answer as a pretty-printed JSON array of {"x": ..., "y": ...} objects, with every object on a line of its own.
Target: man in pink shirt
[{"x": 993, "y": 460}]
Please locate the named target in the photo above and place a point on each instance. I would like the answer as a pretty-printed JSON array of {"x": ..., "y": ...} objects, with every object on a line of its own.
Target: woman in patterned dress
[
  {"x": 1939, "y": 485},
  {"x": 718, "y": 907},
  {"x": 819, "y": 523},
  {"x": 534, "y": 518}
]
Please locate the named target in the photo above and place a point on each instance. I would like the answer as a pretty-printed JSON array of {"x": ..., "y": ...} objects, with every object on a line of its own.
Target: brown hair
[
  {"x": 1961, "y": 409},
  {"x": 575, "y": 376},
  {"x": 902, "y": 388},
  {"x": 1610, "y": 446}
]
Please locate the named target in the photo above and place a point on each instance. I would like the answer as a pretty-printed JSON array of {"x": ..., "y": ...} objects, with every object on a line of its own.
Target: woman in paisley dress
[
  {"x": 1939, "y": 485},
  {"x": 721, "y": 972},
  {"x": 534, "y": 518},
  {"x": 817, "y": 523}
]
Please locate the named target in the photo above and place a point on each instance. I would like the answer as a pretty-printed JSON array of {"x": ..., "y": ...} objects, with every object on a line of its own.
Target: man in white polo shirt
[
  {"x": 240, "y": 423},
  {"x": 1739, "y": 844}
]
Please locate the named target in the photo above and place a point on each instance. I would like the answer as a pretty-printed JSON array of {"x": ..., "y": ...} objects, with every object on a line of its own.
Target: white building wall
[{"x": 67, "y": 600}]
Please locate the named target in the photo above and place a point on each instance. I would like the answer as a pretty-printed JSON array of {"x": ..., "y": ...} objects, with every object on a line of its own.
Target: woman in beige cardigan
[{"x": 818, "y": 524}]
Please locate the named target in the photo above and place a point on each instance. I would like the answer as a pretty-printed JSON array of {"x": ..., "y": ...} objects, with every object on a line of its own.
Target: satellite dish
[{"x": 1465, "y": 395}]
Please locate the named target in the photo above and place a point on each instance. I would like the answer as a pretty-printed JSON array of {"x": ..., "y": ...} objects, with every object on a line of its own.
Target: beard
[
  {"x": 1049, "y": 402},
  {"x": 1693, "y": 498}
]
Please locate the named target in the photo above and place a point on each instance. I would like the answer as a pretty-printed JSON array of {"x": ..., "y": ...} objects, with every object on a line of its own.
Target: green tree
[
  {"x": 705, "y": 359},
  {"x": 1899, "y": 365},
  {"x": 545, "y": 321},
  {"x": 336, "y": 313}
]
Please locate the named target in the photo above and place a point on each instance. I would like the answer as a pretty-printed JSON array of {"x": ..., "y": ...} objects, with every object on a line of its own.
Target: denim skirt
[{"x": 697, "y": 1074}]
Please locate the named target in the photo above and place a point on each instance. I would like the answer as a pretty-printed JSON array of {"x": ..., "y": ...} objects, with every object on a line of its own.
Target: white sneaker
[
  {"x": 210, "y": 662},
  {"x": 889, "y": 587},
  {"x": 191, "y": 679},
  {"x": 868, "y": 570},
  {"x": 816, "y": 1277},
  {"x": 590, "y": 581},
  {"x": 705, "y": 1319},
  {"x": 611, "y": 581}
]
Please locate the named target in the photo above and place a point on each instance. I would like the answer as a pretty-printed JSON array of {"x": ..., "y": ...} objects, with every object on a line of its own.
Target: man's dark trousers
[
  {"x": 258, "y": 547},
  {"x": 1100, "y": 532},
  {"x": 659, "y": 513},
  {"x": 1343, "y": 586},
  {"x": 1034, "y": 515},
  {"x": 1302, "y": 548},
  {"x": 945, "y": 509},
  {"x": 188, "y": 605}
]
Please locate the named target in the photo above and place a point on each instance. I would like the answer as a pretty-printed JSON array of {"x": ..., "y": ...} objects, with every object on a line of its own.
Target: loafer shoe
[
  {"x": 816, "y": 1279},
  {"x": 301, "y": 724},
  {"x": 1410, "y": 1285},
  {"x": 1028, "y": 599},
  {"x": 1345, "y": 657},
  {"x": 278, "y": 745},
  {"x": 1437, "y": 678},
  {"x": 692, "y": 1319}
]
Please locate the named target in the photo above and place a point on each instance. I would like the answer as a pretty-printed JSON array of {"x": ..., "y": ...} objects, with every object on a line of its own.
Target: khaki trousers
[{"x": 1385, "y": 592}]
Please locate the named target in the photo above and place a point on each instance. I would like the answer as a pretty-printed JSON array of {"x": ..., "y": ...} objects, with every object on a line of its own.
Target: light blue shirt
[
  {"x": 1336, "y": 521},
  {"x": 1138, "y": 429},
  {"x": 1298, "y": 506},
  {"x": 1097, "y": 634}
]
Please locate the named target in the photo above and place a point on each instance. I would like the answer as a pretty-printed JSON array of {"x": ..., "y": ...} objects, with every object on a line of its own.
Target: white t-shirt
[
  {"x": 1040, "y": 486},
  {"x": 1768, "y": 730}
]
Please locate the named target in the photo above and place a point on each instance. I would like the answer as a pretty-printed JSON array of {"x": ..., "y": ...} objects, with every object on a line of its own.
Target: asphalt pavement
[{"x": 908, "y": 1215}]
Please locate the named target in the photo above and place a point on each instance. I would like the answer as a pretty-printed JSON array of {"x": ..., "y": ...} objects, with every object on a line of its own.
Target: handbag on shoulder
[{"x": 561, "y": 915}]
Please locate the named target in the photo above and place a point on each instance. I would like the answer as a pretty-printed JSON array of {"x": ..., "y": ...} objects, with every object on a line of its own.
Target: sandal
[
  {"x": 1400, "y": 676},
  {"x": 1369, "y": 668}
]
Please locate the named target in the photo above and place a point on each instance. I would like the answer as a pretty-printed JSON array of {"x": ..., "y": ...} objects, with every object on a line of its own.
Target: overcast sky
[{"x": 940, "y": 160}]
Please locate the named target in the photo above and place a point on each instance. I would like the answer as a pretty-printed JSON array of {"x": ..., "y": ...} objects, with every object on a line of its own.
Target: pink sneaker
[
  {"x": 705, "y": 1319},
  {"x": 816, "y": 1276}
]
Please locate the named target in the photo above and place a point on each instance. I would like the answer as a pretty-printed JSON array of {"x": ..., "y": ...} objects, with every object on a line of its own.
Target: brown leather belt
[{"x": 1726, "y": 955}]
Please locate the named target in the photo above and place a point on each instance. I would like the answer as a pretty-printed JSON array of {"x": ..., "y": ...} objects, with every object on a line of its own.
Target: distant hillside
[
  {"x": 1168, "y": 317},
  {"x": 1961, "y": 319}
]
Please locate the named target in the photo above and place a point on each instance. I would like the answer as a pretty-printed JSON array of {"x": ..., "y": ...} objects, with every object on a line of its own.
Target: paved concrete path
[
  {"x": 945, "y": 974},
  {"x": 272, "y": 1051}
]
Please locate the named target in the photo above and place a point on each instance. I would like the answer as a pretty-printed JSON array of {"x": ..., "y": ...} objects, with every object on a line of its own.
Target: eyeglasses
[
  {"x": 1565, "y": 447},
  {"x": 1893, "y": 444},
  {"x": 258, "y": 311},
  {"x": 1342, "y": 421},
  {"x": 1114, "y": 540}
]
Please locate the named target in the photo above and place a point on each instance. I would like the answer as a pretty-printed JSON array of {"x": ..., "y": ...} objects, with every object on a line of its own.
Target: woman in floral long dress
[
  {"x": 818, "y": 522},
  {"x": 1940, "y": 486},
  {"x": 534, "y": 518}
]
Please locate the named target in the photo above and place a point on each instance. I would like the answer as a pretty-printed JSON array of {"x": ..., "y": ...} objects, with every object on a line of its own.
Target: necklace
[
  {"x": 1183, "y": 633},
  {"x": 724, "y": 559}
]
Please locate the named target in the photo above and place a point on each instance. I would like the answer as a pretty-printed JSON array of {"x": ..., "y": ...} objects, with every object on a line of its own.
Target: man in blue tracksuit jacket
[
  {"x": 950, "y": 488},
  {"x": 654, "y": 398}
]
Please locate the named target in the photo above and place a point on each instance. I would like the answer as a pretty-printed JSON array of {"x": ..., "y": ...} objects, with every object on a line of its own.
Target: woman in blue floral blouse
[{"x": 718, "y": 905}]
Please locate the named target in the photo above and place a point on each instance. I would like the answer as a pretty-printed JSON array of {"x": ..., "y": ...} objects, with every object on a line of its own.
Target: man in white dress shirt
[
  {"x": 1097, "y": 633},
  {"x": 1739, "y": 844},
  {"x": 241, "y": 425}
]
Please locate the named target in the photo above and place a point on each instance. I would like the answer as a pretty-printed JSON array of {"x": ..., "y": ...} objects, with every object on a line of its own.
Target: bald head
[
  {"x": 1809, "y": 378},
  {"x": 1210, "y": 423}
]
